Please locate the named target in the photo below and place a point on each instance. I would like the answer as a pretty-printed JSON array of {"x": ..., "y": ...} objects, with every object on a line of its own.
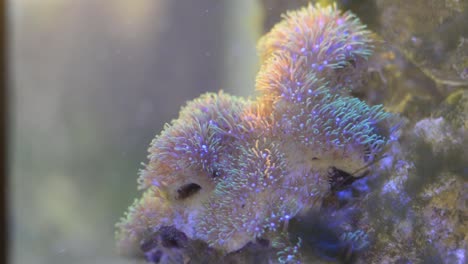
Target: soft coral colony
[{"x": 229, "y": 170}]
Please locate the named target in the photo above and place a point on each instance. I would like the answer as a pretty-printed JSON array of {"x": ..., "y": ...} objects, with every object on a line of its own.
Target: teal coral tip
[
  {"x": 325, "y": 35},
  {"x": 196, "y": 142},
  {"x": 314, "y": 43}
]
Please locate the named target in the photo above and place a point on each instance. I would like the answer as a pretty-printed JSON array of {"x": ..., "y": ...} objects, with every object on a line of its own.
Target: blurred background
[{"x": 92, "y": 82}]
